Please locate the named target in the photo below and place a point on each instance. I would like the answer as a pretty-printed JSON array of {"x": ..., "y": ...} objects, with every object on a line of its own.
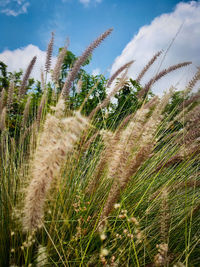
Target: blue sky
[{"x": 30, "y": 22}]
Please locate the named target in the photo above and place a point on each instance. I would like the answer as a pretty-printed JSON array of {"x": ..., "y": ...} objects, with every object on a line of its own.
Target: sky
[{"x": 141, "y": 28}]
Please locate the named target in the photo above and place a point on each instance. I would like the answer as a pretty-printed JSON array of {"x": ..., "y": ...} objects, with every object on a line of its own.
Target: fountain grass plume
[
  {"x": 147, "y": 105},
  {"x": 42, "y": 79},
  {"x": 193, "y": 81},
  {"x": 10, "y": 95},
  {"x": 119, "y": 159},
  {"x": 26, "y": 112},
  {"x": 118, "y": 71},
  {"x": 22, "y": 89},
  {"x": 41, "y": 108},
  {"x": 194, "y": 98},
  {"x": 56, "y": 141},
  {"x": 110, "y": 140},
  {"x": 59, "y": 62},
  {"x": 42, "y": 256},
  {"x": 80, "y": 61},
  {"x": 49, "y": 53},
  {"x": 158, "y": 76},
  {"x": 145, "y": 69},
  {"x": 120, "y": 183},
  {"x": 3, "y": 119},
  {"x": 133, "y": 149},
  {"x": 2, "y": 100},
  {"x": 165, "y": 216}
]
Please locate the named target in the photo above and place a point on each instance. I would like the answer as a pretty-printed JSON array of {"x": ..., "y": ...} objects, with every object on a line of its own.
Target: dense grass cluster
[{"x": 73, "y": 193}]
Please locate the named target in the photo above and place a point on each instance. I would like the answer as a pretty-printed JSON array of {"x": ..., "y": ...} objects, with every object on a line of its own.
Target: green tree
[
  {"x": 4, "y": 76},
  {"x": 125, "y": 103}
]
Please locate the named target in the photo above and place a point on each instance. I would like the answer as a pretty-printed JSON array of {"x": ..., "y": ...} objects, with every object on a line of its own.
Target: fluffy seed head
[
  {"x": 158, "y": 76},
  {"x": 145, "y": 69},
  {"x": 80, "y": 61},
  {"x": 49, "y": 53},
  {"x": 22, "y": 89},
  {"x": 57, "y": 139}
]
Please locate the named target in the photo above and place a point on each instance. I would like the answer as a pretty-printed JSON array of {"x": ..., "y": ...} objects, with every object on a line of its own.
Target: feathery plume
[
  {"x": 79, "y": 85},
  {"x": 3, "y": 119},
  {"x": 189, "y": 183},
  {"x": 26, "y": 112},
  {"x": 22, "y": 89},
  {"x": 165, "y": 216},
  {"x": 42, "y": 257},
  {"x": 119, "y": 161},
  {"x": 121, "y": 182},
  {"x": 145, "y": 69},
  {"x": 161, "y": 258},
  {"x": 2, "y": 100},
  {"x": 109, "y": 141},
  {"x": 134, "y": 147},
  {"x": 173, "y": 160},
  {"x": 192, "y": 116},
  {"x": 127, "y": 139},
  {"x": 79, "y": 62},
  {"x": 179, "y": 185},
  {"x": 42, "y": 79},
  {"x": 193, "y": 81},
  {"x": 192, "y": 99},
  {"x": 59, "y": 62},
  {"x": 49, "y": 53},
  {"x": 90, "y": 141},
  {"x": 41, "y": 108},
  {"x": 118, "y": 71},
  {"x": 158, "y": 76},
  {"x": 152, "y": 102},
  {"x": 148, "y": 105},
  {"x": 57, "y": 139},
  {"x": 10, "y": 95},
  {"x": 125, "y": 122}
]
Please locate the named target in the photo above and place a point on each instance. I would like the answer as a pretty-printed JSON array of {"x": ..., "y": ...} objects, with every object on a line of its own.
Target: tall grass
[{"x": 74, "y": 195}]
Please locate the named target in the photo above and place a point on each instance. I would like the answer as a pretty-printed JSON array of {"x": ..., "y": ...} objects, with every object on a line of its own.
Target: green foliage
[
  {"x": 3, "y": 77},
  {"x": 176, "y": 99},
  {"x": 93, "y": 84}
]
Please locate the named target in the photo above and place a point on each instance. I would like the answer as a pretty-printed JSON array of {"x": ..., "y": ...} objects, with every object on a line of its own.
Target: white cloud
[
  {"x": 96, "y": 71},
  {"x": 157, "y": 36},
  {"x": 13, "y": 7},
  {"x": 20, "y": 58}
]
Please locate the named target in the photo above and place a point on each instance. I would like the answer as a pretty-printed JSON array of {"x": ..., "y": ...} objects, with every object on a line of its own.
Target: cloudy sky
[{"x": 141, "y": 28}]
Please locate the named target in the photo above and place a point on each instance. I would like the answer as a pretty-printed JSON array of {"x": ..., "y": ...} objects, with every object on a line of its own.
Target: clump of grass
[{"x": 128, "y": 196}]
